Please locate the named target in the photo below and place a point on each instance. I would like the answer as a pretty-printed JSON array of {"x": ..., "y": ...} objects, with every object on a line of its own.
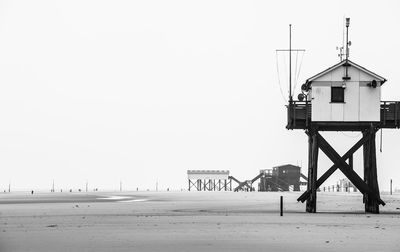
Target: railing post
[
  {"x": 384, "y": 113},
  {"x": 289, "y": 116},
  {"x": 396, "y": 104},
  {"x": 294, "y": 114},
  {"x": 306, "y": 113}
]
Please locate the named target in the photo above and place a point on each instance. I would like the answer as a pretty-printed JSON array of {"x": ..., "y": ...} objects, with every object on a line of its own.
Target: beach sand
[{"x": 194, "y": 221}]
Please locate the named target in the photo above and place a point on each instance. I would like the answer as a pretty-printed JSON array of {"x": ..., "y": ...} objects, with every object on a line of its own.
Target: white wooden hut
[{"x": 345, "y": 92}]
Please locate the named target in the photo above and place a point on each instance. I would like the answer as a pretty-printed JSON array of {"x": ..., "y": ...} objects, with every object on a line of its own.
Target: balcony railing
[
  {"x": 390, "y": 114},
  {"x": 299, "y": 117}
]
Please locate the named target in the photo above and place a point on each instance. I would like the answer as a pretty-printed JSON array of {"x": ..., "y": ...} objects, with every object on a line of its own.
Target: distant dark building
[{"x": 281, "y": 178}]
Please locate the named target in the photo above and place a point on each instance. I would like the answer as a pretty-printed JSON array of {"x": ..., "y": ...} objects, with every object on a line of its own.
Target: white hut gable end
[{"x": 353, "y": 99}]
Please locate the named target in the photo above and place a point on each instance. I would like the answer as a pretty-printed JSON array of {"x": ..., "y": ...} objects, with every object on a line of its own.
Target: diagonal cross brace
[
  {"x": 234, "y": 179},
  {"x": 241, "y": 185},
  {"x": 237, "y": 181},
  {"x": 333, "y": 168},
  {"x": 191, "y": 184},
  {"x": 346, "y": 169}
]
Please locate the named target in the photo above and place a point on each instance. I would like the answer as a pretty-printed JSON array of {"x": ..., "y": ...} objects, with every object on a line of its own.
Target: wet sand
[{"x": 194, "y": 221}]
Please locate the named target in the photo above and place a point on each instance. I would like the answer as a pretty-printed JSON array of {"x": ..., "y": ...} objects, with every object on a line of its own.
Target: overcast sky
[{"x": 142, "y": 91}]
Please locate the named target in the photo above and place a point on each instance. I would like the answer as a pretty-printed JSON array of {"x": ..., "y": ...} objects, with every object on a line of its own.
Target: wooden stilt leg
[
  {"x": 315, "y": 171},
  {"x": 309, "y": 176},
  {"x": 311, "y": 205},
  {"x": 370, "y": 174}
]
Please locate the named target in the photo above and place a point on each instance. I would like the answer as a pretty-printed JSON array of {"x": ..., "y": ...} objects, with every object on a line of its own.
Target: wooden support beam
[
  {"x": 311, "y": 205},
  {"x": 234, "y": 179},
  {"x": 370, "y": 174},
  {"x": 309, "y": 162},
  {"x": 351, "y": 162},
  {"x": 333, "y": 168},
  {"x": 347, "y": 171}
]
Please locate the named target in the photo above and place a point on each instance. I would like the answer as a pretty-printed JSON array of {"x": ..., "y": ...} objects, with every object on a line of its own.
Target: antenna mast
[
  {"x": 290, "y": 50},
  {"x": 347, "y": 38},
  {"x": 348, "y": 43},
  {"x": 290, "y": 64}
]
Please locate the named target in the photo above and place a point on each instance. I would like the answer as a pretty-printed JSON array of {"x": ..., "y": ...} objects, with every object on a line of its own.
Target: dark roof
[
  {"x": 287, "y": 166},
  {"x": 383, "y": 80}
]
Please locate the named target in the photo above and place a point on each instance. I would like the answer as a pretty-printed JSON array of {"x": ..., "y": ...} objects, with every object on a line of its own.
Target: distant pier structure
[
  {"x": 209, "y": 180},
  {"x": 344, "y": 97}
]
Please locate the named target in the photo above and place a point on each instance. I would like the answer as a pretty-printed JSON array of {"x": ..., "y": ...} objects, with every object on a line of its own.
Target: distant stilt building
[
  {"x": 209, "y": 180},
  {"x": 281, "y": 178}
]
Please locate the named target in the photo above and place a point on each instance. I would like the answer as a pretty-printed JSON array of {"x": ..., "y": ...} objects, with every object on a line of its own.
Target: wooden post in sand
[{"x": 390, "y": 186}]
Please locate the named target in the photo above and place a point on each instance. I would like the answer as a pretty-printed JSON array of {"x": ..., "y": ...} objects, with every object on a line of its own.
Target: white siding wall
[
  {"x": 321, "y": 107},
  {"x": 337, "y": 112},
  {"x": 369, "y": 104},
  {"x": 352, "y": 105}
]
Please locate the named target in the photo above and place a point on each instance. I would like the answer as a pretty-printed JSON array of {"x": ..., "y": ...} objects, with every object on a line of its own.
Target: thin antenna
[
  {"x": 157, "y": 186},
  {"x": 341, "y": 50},
  {"x": 347, "y": 38},
  {"x": 348, "y": 43},
  {"x": 52, "y": 188},
  {"x": 290, "y": 63},
  {"x": 120, "y": 185},
  {"x": 86, "y": 185}
]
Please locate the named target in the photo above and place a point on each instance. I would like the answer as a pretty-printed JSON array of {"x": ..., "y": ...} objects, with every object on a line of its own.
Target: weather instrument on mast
[{"x": 345, "y": 51}]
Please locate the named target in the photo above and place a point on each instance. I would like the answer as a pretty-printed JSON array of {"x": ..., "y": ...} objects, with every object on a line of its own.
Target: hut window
[{"x": 337, "y": 94}]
